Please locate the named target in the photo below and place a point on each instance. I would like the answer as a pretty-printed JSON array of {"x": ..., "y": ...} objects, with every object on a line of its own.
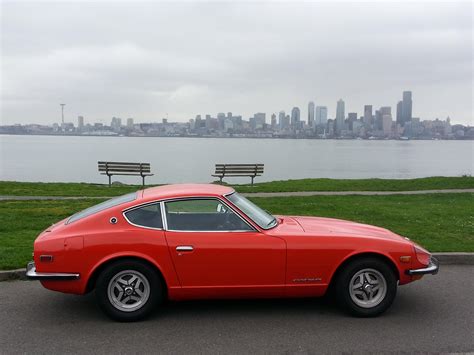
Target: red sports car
[{"x": 182, "y": 242}]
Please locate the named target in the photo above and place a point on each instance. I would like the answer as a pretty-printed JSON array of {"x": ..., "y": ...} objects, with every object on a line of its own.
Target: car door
[{"x": 216, "y": 252}]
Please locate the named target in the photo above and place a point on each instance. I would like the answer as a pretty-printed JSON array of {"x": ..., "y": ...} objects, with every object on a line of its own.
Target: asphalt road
[{"x": 434, "y": 315}]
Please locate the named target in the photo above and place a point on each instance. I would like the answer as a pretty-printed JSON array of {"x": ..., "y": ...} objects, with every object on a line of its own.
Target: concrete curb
[{"x": 443, "y": 258}]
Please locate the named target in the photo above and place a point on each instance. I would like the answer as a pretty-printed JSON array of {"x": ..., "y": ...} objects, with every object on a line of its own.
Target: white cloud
[{"x": 146, "y": 59}]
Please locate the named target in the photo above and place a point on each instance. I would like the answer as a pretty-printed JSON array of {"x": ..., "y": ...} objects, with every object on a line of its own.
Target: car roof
[{"x": 185, "y": 190}]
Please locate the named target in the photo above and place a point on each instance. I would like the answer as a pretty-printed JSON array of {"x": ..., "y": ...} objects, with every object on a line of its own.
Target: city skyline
[
  {"x": 373, "y": 124},
  {"x": 330, "y": 112},
  {"x": 148, "y": 60}
]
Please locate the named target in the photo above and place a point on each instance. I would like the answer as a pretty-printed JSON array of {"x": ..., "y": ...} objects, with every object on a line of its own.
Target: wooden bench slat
[
  {"x": 110, "y": 167},
  {"x": 123, "y": 169},
  {"x": 120, "y": 163},
  {"x": 125, "y": 165},
  {"x": 240, "y": 166},
  {"x": 239, "y": 169},
  {"x": 134, "y": 174}
]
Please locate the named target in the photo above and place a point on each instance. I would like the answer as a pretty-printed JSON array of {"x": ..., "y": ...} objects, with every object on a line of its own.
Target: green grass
[
  {"x": 98, "y": 190},
  {"x": 440, "y": 222},
  {"x": 15, "y": 188},
  {"x": 22, "y": 221},
  {"x": 430, "y": 183}
]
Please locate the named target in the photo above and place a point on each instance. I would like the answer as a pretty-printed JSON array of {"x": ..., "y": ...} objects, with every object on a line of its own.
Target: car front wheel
[
  {"x": 366, "y": 287},
  {"x": 128, "y": 290}
]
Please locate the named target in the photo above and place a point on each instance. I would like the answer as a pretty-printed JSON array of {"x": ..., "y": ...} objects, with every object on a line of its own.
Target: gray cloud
[{"x": 144, "y": 60}]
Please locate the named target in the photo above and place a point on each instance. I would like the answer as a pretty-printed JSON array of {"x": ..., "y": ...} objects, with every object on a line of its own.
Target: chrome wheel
[
  {"x": 128, "y": 290},
  {"x": 367, "y": 288}
]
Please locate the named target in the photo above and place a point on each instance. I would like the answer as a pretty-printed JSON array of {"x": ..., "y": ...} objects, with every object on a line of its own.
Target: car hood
[{"x": 317, "y": 226}]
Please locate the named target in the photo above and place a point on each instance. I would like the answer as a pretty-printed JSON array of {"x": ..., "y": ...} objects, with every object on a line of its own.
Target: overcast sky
[{"x": 146, "y": 60}]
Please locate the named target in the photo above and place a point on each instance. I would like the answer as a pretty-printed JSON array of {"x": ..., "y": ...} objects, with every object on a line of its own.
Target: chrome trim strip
[
  {"x": 165, "y": 221},
  {"x": 432, "y": 269},
  {"x": 140, "y": 206},
  {"x": 31, "y": 274},
  {"x": 210, "y": 231}
]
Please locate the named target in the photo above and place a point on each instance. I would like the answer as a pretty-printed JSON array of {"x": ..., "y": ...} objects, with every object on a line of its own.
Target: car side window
[
  {"x": 203, "y": 215},
  {"x": 146, "y": 216}
]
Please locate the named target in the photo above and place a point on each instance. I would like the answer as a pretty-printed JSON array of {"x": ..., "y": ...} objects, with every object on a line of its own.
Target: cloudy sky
[{"x": 148, "y": 60}]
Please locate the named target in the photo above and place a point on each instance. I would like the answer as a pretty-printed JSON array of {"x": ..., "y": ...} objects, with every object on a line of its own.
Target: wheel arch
[
  {"x": 361, "y": 255},
  {"x": 91, "y": 281}
]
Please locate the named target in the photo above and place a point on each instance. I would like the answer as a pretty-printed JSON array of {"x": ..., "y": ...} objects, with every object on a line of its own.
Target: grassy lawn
[
  {"x": 83, "y": 189},
  {"x": 430, "y": 183},
  {"x": 439, "y": 222},
  {"x": 22, "y": 221}
]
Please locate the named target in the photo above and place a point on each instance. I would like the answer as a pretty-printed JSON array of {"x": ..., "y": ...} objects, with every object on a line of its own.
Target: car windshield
[
  {"x": 264, "y": 219},
  {"x": 102, "y": 206}
]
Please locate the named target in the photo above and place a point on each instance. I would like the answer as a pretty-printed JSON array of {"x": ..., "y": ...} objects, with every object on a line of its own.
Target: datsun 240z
[{"x": 182, "y": 242}]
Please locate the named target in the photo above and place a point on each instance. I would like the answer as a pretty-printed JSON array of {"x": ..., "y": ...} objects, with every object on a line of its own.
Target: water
[{"x": 74, "y": 159}]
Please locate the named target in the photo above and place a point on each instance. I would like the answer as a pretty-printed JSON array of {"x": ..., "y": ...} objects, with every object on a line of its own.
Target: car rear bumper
[
  {"x": 31, "y": 274},
  {"x": 432, "y": 269}
]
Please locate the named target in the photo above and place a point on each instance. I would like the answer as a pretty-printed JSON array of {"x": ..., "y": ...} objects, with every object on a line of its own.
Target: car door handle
[{"x": 184, "y": 248}]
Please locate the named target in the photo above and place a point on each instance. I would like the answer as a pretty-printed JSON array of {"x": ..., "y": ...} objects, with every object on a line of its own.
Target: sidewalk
[{"x": 263, "y": 194}]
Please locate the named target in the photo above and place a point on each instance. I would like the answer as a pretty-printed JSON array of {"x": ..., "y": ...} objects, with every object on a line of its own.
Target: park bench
[
  {"x": 238, "y": 170},
  {"x": 111, "y": 168}
]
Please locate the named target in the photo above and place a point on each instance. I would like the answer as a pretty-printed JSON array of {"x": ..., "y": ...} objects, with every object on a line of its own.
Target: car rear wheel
[
  {"x": 128, "y": 290},
  {"x": 366, "y": 287}
]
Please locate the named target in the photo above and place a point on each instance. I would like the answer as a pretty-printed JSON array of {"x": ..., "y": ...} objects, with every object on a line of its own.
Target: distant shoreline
[{"x": 241, "y": 137}]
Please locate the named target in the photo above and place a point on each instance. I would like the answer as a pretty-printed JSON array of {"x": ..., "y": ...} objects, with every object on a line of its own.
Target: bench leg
[
  {"x": 252, "y": 177},
  {"x": 143, "y": 181},
  {"x": 110, "y": 180},
  {"x": 220, "y": 179}
]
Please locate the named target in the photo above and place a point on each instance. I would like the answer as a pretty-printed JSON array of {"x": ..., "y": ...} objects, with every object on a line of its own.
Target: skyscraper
[
  {"x": 406, "y": 107},
  {"x": 259, "y": 119},
  {"x": 311, "y": 114},
  {"x": 295, "y": 117},
  {"x": 281, "y": 119},
  {"x": 321, "y": 115},
  {"x": 340, "y": 114},
  {"x": 368, "y": 115},
  {"x": 80, "y": 123},
  {"x": 399, "y": 113},
  {"x": 273, "y": 121},
  {"x": 351, "y": 118}
]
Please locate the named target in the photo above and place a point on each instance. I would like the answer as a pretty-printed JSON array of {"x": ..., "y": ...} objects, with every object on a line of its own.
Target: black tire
[
  {"x": 374, "y": 267},
  {"x": 127, "y": 269}
]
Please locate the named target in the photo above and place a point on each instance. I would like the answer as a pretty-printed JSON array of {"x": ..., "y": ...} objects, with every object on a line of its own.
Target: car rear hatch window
[{"x": 102, "y": 206}]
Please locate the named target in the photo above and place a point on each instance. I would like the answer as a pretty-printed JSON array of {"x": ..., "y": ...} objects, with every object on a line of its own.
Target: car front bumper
[
  {"x": 31, "y": 274},
  {"x": 432, "y": 269}
]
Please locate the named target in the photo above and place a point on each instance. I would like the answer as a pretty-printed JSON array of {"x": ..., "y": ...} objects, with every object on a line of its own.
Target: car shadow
[{"x": 85, "y": 307}]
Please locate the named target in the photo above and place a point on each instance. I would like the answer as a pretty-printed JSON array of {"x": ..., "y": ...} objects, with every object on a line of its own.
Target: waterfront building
[
  {"x": 351, "y": 118},
  {"x": 340, "y": 115},
  {"x": 406, "y": 107},
  {"x": 295, "y": 117},
  {"x": 80, "y": 123},
  {"x": 311, "y": 114},
  {"x": 321, "y": 115},
  {"x": 399, "y": 113},
  {"x": 281, "y": 119},
  {"x": 368, "y": 115},
  {"x": 274, "y": 121}
]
